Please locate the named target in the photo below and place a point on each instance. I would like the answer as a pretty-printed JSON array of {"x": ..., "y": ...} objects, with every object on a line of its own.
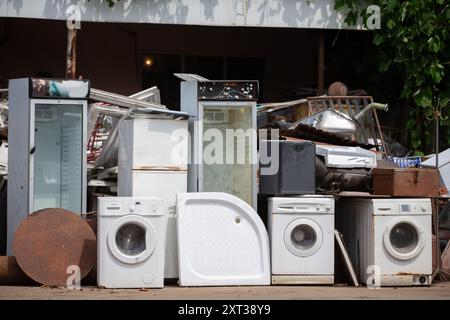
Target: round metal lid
[{"x": 49, "y": 241}]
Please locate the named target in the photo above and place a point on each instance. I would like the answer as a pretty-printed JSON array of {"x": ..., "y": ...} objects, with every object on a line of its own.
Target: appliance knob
[
  {"x": 131, "y": 208},
  {"x": 317, "y": 208},
  {"x": 328, "y": 208},
  {"x": 424, "y": 208}
]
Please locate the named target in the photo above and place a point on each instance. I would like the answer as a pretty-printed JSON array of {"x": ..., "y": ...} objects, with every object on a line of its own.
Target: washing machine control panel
[
  {"x": 405, "y": 208},
  {"x": 144, "y": 207},
  {"x": 135, "y": 206},
  {"x": 411, "y": 208},
  {"x": 304, "y": 207}
]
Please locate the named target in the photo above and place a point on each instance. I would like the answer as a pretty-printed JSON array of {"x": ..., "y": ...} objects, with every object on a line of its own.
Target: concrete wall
[{"x": 262, "y": 13}]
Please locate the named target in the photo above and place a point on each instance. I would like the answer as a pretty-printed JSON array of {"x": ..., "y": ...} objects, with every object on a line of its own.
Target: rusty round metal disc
[
  {"x": 48, "y": 241},
  {"x": 337, "y": 89}
]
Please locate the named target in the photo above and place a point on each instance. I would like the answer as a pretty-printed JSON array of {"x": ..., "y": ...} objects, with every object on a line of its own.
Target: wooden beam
[{"x": 71, "y": 60}]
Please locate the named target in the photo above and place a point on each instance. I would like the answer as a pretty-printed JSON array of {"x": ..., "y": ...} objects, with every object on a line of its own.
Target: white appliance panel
[{"x": 221, "y": 241}]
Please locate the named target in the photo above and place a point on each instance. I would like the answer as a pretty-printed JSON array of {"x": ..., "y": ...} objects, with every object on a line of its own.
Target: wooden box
[{"x": 406, "y": 182}]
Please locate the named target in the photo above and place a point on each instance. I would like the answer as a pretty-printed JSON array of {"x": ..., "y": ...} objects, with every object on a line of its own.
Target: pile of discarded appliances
[{"x": 127, "y": 193}]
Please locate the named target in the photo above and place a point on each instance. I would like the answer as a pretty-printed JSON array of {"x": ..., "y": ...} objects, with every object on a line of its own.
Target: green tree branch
[{"x": 414, "y": 38}]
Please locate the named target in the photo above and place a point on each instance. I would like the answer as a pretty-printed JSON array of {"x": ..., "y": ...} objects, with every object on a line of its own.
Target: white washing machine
[
  {"x": 131, "y": 241},
  {"x": 301, "y": 232},
  {"x": 389, "y": 238}
]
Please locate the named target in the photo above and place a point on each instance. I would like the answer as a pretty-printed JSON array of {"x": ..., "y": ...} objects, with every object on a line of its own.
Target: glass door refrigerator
[
  {"x": 222, "y": 126},
  {"x": 47, "y": 148}
]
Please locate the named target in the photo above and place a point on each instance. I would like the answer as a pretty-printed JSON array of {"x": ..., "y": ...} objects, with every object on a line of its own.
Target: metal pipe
[
  {"x": 436, "y": 212},
  {"x": 370, "y": 106},
  {"x": 148, "y": 95},
  {"x": 126, "y": 102},
  {"x": 108, "y": 111}
]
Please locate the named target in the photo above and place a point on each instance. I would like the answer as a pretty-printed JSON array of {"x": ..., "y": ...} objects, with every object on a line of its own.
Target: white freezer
[
  {"x": 153, "y": 156},
  {"x": 153, "y": 144}
]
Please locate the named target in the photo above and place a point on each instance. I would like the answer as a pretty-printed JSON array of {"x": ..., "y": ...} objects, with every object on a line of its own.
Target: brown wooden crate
[{"x": 407, "y": 182}]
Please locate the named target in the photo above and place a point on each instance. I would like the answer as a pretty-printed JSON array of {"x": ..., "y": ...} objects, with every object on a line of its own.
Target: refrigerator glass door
[
  {"x": 228, "y": 144},
  {"x": 57, "y": 160}
]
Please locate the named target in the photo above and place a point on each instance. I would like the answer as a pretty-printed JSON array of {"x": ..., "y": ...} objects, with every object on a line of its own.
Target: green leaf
[
  {"x": 413, "y": 46},
  {"x": 436, "y": 74},
  {"x": 424, "y": 98},
  {"x": 340, "y": 4},
  {"x": 378, "y": 39},
  {"x": 351, "y": 19},
  {"x": 403, "y": 14},
  {"x": 384, "y": 65},
  {"x": 444, "y": 98},
  {"x": 391, "y": 4},
  {"x": 390, "y": 24},
  {"x": 434, "y": 44}
]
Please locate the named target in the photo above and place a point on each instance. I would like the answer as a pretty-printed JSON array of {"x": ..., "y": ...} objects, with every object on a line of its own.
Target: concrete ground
[{"x": 436, "y": 291}]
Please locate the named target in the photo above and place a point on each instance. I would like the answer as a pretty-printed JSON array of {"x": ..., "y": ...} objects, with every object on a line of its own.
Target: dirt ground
[{"x": 436, "y": 291}]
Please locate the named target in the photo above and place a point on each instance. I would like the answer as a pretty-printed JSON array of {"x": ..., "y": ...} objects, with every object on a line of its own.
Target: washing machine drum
[
  {"x": 303, "y": 237},
  {"x": 132, "y": 239},
  {"x": 403, "y": 238}
]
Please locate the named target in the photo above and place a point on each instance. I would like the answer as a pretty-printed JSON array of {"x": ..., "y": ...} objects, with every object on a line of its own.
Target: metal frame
[
  {"x": 127, "y": 102},
  {"x": 148, "y": 95},
  {"x": 350, "y": 105}
]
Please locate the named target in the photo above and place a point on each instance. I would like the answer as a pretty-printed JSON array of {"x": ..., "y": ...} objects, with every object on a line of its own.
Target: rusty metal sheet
[
  {"x": 91, "y": 277},
  {"x": 11, "y": 274},
  {"x": 48, "y": 241},
  {"x": 446, "y": 259}
]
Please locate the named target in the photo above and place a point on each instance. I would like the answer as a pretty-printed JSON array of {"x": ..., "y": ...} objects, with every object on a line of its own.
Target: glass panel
[
  {"x": 130, "y": 239},
  {"x": 58, "y": 159},
  {"x": 227, "y": 151},
  {"x": 404, "y": 237},
  {"x": 303, "y": 237}
]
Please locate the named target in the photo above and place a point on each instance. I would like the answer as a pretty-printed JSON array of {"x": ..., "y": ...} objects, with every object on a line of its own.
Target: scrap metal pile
[
  {"x": 347, "y": 122},
  {"x": 102, "y": 176}
]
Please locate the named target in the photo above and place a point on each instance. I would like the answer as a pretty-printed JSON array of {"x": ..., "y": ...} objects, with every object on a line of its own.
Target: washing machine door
[
  {"x": 132, "y": 239},
  {"x": 403, "y": 238},
  {"x": 303, "y": 237}
]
